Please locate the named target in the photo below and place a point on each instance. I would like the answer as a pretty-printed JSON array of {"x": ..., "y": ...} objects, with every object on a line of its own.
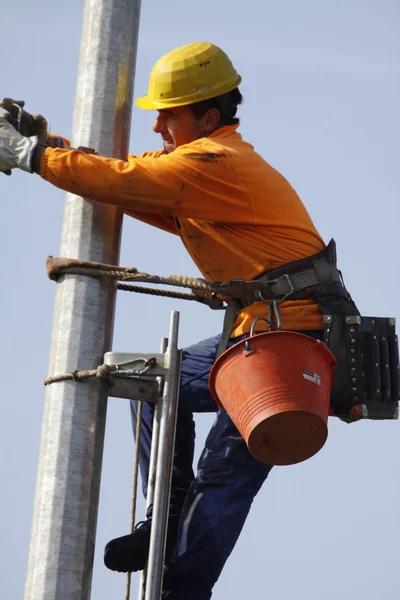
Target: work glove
[
  {"x": 15, "y": 149},
  {"x": 29, "y": 125}
]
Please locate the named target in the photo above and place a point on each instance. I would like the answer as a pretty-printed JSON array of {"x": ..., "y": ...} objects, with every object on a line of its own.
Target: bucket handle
[
  {"x": 247, "y": 344},
  {"x": 273, "y": 312},
  {"x": 255, "y": 322}
]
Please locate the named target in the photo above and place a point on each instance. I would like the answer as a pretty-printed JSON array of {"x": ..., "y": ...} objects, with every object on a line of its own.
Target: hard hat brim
[{"x": 146, "y": 103}]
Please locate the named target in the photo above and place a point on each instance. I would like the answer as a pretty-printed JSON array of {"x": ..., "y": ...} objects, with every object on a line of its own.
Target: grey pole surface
[{"x": 67, "y": 491}]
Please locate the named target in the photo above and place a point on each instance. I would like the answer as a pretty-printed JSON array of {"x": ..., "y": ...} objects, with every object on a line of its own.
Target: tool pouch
[{"x": 367, "y": 384}]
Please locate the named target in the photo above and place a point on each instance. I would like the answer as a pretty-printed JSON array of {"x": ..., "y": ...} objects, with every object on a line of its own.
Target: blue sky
[{"x": 321, "y": 83}]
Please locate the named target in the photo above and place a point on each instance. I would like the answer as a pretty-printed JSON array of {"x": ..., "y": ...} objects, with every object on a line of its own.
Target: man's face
[{"x": 178, "y": 126}]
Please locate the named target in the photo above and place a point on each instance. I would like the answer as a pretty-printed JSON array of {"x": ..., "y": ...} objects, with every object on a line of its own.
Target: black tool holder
[{"x": 367, "y": 383}]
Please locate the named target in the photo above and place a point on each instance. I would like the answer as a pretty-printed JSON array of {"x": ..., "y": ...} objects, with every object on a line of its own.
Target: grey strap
[
  {"x": 232, "y": 310},
  {"x": 296, "y": 282},
  {"x": 285, "y": 285}
]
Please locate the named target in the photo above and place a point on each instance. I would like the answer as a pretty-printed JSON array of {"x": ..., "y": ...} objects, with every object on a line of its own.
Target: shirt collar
[{"x": 224, "y": 131}]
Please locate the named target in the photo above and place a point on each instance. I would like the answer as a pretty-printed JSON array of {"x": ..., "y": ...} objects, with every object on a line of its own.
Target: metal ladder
[{"x": 159, "y": 385}]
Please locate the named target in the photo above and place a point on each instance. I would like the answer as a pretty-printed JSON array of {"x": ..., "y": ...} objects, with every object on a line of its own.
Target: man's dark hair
[{"x": 226, "y": 104}]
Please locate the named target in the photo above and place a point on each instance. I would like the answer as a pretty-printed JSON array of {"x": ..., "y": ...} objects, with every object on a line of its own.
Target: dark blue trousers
[{"x": 214, "y": 503}]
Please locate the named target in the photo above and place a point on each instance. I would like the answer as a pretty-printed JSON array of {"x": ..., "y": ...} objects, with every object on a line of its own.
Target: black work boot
[{"x": 130, "y": 552}]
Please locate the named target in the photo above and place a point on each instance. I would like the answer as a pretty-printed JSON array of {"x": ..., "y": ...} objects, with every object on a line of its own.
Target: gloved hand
[
  {"x": 15, "y": 149},
  {"x": 30, "y": 124}
]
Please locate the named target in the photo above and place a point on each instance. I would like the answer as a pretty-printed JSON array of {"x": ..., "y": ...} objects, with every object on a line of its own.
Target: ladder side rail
[
  {"x": 153, "y": 462},
  {"x": 163, "y": 475}
]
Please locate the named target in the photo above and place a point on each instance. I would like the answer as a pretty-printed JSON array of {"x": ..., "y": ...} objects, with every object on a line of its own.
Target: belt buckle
[{"x": 291, "y": 287}]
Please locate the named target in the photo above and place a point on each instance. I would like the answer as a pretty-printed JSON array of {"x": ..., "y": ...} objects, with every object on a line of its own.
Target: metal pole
[
  {"x": 155, "y": 436},
  {"x": 138, "y": 436},
  {"x": 166, "y": 441},
  {"x": 153, "y": 463},
  {"x": 68, "y": 481}
]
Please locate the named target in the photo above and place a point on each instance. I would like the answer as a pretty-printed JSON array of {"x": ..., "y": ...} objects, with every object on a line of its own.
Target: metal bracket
[{"x": 126, "y": 382}]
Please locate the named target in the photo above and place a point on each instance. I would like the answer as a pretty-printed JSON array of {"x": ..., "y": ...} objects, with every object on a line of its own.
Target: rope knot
[
  {"x": 75, "y": 375},
  {"x": 103, "y": 371}
]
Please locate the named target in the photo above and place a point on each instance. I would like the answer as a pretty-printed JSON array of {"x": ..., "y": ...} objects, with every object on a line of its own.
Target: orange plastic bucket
[{"x": 276, "y": 388}]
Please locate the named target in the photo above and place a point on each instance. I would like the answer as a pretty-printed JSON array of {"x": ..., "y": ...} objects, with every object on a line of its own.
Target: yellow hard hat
[{"x": 189, "y": 74}]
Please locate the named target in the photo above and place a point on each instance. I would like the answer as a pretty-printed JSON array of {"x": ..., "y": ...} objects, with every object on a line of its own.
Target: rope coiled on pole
[
  {"x": 56, "y": 267},
  {"x": 102, "y": 371},
  {"x": 61, "y": 266}
]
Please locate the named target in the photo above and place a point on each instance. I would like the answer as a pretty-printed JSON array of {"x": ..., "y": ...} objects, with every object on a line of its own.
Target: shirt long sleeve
[{"x": 173, "y": 185}]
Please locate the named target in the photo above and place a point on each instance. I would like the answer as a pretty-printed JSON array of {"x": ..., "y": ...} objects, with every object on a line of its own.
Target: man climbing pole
[{"x": 238, "y": 218}]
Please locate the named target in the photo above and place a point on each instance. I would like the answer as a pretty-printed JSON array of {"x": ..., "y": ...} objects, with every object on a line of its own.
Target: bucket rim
[{"x": 319, "y": 343}]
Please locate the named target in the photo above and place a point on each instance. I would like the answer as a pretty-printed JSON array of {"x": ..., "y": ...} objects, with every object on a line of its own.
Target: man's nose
[{"x": 158, "y": 126}]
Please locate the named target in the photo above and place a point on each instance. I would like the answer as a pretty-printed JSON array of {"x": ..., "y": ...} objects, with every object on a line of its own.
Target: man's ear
[{"x": 211, "y": 120}]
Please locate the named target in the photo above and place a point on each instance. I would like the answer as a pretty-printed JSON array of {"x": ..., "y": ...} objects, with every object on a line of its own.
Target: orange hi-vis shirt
[{"x": 235, "y": 214}]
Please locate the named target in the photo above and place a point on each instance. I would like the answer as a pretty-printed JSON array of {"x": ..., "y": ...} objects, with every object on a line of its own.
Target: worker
[{"x": 238, "y": 218}]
